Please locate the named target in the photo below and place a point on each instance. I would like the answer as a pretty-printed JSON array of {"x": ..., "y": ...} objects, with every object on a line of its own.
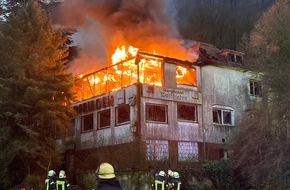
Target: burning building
[
  {"x": 150, "y": 111},
  {"x": 160, "y": 105}
]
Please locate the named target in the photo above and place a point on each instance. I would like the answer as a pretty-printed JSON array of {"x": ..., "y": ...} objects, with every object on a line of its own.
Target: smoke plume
[{"x": 104, "y": 25}]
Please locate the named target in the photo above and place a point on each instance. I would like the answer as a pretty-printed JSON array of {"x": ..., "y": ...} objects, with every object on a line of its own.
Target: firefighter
[
  {"x": 106, "y": 178},
  {"x": 50, "y": 181},
  {"x": 62, "y": 182},
  {"x": 160, "y": 181},
  {"x": 169, "y": 179},
  {"x": 175, "y": 182}
]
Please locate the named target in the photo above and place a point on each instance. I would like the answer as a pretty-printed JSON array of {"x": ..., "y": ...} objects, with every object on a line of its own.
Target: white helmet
[
  {"x": 170, "y": 173},
  {"x": 61, "y": 174},
  {"x": 162, "y": 173},
  {"x": 175, "y": 174},
  {"x": 51, "y": 173}
]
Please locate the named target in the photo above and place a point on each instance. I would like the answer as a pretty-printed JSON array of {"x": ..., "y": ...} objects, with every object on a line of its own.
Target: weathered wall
[
  {"x": 225, "y": 87},
  {"x": 113, "y": 134}
]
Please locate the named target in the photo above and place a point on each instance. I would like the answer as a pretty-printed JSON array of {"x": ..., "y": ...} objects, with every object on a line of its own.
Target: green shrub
[{"x": 220, "y": 172}]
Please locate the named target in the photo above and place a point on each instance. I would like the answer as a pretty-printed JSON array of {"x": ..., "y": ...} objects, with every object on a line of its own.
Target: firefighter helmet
[
  {"x": 170, "y": 173},
  {"x": 175, "y": 174},
  {"x": 162, "y": 173},
  {"x": 105, "y": 171},
  {"x": 51, "y": 173},
  {"x": 61, "y": 174}
]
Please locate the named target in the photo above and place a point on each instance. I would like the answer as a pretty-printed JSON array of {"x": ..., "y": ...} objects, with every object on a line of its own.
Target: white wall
[{"x": 225, "y": 87}]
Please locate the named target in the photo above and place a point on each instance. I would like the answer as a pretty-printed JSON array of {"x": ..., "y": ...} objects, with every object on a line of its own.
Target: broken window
[
  {"x": 106, "y": 80},
  {"x": 104, "y": 119},
  {"x": 186, "y": 76},
  {"x": 186, "y": 112},
  {"x": 231, "y": 57},
  {"x": 187, "y": 151},
  {"x": 239, "y": 59},
  {"x": 157, "y": 150},
  {"x": 87, "y": 122},
  {"x": 222, "y": 116},
  {"x": 128, "y": 73},
  {"x": 151, "y": 72},
  {"x": 122, "y": 114},
  {"x": 255, "y": 88},
  {"x": 156, "y": 113}
]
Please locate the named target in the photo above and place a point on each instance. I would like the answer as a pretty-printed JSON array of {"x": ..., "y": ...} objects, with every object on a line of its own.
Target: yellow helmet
[
  {"x": 105, "y": 171},
  {"x": 61, "y": 174}
]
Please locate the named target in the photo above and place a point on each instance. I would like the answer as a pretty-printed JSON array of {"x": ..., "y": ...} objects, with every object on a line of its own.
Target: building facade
[{"x": 152, "y": 111}]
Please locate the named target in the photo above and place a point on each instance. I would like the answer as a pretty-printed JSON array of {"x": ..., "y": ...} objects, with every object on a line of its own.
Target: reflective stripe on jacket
[
  {"x": 177, "y": 187},
  {"x": 176, "y": 183},
  {"x": 62, "y": 184},
  {"x": 49, "y": 184},
  {"x": 159, "y": 185}
]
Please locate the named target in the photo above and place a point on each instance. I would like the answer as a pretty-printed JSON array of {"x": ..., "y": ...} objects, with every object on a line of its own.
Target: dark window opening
[
  {"x": 239, "y": 59},
  {"x": 217, "y": 116},
  {"x": 232, "y": 58},
  {"x": 123, "y": 114},
  {"x": 87, "y": 122},
  {"x": 227, "y": 117},
  {"x": 156, "y": 113},
  {"x": 255, "y": 88},
  {"x": 104, "y": 118},
  {"x": 186, "y": 112}
]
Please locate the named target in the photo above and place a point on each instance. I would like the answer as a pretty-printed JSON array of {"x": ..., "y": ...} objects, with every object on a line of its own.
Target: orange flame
[
  {"x": 122, "y": 54},
  {"x": 124, "y": 72}
]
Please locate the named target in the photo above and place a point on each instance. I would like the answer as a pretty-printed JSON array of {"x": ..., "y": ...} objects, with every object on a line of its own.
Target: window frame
[
  {"x": 189, "y": 105},
  {"x": 149, "y": 69},
  {"x": 232, "y": 57},
  {"x": 191, "y": 73},
  {"x": 239, "y": 59},
  {"x": 222, "y": 110},
  {"x": 188, "y": 151},
  {"x": 255, "y": 87},
  {"x": 99, "y": 119},
  {"x": 83, "y": 122},
  {"x": 157, "y": 150},
  {"x": 156, "y": 121},
  {"x": 117, "y": 115}
]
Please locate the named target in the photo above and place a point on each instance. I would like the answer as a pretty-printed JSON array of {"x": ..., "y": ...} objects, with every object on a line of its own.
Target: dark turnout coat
[
  {"x": 62, "y": 184},
  {"x": 109, "y": 184},
  {"x": 49, "y": 183}
]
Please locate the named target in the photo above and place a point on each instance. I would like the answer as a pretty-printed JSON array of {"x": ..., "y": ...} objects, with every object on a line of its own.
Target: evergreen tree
[
  {"x": 262, "y": 152},
  {"x": 35, "y": 94},
  {"x": 222, "y": 23}
]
